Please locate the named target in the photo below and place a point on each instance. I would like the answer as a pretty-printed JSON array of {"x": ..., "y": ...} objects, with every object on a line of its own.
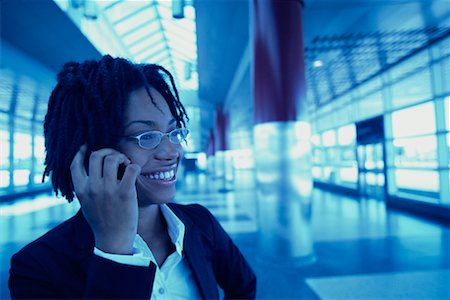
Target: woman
[{"x": 113, "y": 135}]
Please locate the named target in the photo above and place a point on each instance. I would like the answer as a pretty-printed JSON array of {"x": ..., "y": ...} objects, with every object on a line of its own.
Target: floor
[{"x": 363, "y": 250}]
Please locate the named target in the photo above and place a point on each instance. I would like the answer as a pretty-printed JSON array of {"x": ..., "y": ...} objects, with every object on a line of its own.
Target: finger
[
  {"x": 111, "y": 166},
  {"x": 77, "y": 169},
  {"x": 132, "y": 171},
  {"x": 96, "y": 162}
]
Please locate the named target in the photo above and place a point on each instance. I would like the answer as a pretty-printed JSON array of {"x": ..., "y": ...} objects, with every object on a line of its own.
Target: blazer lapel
[
  {"x": 197, "y": 257},
  {"x": 199, "y": 264}
]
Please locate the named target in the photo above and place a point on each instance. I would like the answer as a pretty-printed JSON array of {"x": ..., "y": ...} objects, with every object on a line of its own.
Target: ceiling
[
  {"x": 222, "y": 36},
  {"x": 39, "y": 29},
  {"x": 144, "y": 31},
  {"x": 336, "y": 32},
  {"x": 210, "y": 49}
]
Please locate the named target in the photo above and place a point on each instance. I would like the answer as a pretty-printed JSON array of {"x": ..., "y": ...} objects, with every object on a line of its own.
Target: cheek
[
  {"x": 180, "y": 150},
  {"x": 134, "y": 154},
  {"x": 138, "y": 158}
]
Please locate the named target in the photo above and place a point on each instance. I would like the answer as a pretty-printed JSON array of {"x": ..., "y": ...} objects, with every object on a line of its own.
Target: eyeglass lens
[{"x": 152, "y": 139}]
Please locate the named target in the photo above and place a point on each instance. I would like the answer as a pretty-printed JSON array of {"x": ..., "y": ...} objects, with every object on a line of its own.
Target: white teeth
[{"x": 167, "y": 175}]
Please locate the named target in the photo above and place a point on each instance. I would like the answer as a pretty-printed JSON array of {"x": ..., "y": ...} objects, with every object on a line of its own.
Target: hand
[{"x": 108, "y": 204}]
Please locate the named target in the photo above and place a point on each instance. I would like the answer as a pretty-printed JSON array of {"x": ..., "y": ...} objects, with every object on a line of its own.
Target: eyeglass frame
[{"x": 160, "y": 134}]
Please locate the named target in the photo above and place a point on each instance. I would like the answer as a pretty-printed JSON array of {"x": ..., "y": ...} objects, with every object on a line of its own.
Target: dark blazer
[{"x": 61, "y": 263}]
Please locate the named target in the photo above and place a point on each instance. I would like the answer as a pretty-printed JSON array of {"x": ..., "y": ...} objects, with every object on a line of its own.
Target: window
[
  {"x": 318, "y": 155},
  {"x": 448, "y": 147},
  {"x": 447, "y": 113},
  {"x": 418, "y": 182},
  {"x": 416, "y": 152},
  {"x": 349, "y": 175},
  {"x": 4, "y": 139},
  {"x": 445, "y": 65},
  {"x": 329, "y": 138},
  {"x": 317, "y": 172},
  {"x": 4, "y": 157},
  {"x": 22, "y": 158},
  {"x": 347, "y": 135},
  {"x": 25, "y": 102},
  {"x": 6, "y": 89},
  {"x": 315, "y": 140},
  {"x": 334, "y": 156},
  {"x": 413, "y": 121},
  {"x": 39, "y": 154}
]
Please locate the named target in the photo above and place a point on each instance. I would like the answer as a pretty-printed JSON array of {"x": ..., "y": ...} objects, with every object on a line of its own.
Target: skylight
[{"x": 143, "y": 31}]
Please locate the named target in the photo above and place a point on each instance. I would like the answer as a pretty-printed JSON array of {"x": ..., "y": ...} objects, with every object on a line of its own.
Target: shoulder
[
  {"x": 60, "y": 240},
  {"x": 191, "y": 211}
]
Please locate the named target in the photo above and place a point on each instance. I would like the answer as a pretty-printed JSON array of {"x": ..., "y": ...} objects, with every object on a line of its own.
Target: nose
[{"x": 167, "y": 150}]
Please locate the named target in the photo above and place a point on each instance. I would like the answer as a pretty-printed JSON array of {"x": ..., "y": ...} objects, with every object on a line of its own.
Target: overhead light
[
  {"x": 178, "y": 9},
  {"x": 77, "y": 3},
  {"x": 317, "y": 64},
  {"x": 90, "y": 10},
  {"x": 187, "y": 70}
]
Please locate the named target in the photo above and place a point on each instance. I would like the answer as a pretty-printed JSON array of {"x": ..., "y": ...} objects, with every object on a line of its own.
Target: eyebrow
[{"x": 149, "y": 123}]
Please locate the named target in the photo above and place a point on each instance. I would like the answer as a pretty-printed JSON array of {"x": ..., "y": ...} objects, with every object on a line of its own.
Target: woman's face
[{"x": 142, "y": 115}]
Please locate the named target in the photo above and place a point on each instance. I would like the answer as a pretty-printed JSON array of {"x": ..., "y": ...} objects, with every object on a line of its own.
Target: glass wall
[
  {"x": 21, "y": 135},
  {"x": 414, "y": 99},
  {"x": 415, "y": 152},
  {"x": 334, "y": 156},
  {"x": 4, "y": 152}
]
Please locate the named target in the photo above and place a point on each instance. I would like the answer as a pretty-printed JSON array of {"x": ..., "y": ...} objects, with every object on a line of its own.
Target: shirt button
[{"x": 161, "y": 291}]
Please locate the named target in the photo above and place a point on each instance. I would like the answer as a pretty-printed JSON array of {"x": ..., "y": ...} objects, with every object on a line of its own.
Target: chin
[
  {"x": 150, "y": 192},
  {"x": 149, "y": 197}
]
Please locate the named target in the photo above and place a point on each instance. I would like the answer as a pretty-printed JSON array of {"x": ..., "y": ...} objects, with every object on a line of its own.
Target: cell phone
[{"x": 121, "y": 171}]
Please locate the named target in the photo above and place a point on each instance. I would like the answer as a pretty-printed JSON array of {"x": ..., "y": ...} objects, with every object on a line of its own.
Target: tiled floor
[{"x": 363, "y": 250}]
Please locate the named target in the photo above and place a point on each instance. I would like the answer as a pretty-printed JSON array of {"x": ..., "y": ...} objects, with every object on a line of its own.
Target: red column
[
  {"x": 280, "y": 153},
  {"x": 279, "y": 70},
  {"x": 221, "y": 130},
  {"x": 210, "y": 150}
]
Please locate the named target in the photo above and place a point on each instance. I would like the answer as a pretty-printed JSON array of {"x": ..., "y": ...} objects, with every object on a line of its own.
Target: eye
[
  {"x": 149, "y": 136},
  {"x": 180, "y": 134}
]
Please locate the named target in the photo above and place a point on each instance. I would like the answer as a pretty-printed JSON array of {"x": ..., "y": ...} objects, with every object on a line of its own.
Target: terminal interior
[{"x": 350, "y": 198}]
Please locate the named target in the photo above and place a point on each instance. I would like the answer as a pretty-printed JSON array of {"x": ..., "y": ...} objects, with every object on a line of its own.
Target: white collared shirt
[{"x": 174, "y": 278}]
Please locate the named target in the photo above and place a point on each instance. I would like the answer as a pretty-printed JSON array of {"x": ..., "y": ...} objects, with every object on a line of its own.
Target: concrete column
[{"x": 281, "y": 134}]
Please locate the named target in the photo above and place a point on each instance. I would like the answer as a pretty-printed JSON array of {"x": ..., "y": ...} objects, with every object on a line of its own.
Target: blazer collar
[{"x": 194, "y": 250}]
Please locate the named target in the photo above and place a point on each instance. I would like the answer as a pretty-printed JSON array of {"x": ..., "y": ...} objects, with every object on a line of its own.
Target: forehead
[{"x": 141, "y": 107}]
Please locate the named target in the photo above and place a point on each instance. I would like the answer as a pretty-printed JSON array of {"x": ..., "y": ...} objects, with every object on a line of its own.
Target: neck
[{"x": 151, "y": 221}]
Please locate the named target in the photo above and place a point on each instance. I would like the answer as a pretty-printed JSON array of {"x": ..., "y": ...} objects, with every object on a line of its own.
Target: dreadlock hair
[{"x": 87, "y": 106}]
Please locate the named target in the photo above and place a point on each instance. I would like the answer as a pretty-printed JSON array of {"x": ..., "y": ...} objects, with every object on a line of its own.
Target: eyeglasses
[{"x": 151, "y": 139}]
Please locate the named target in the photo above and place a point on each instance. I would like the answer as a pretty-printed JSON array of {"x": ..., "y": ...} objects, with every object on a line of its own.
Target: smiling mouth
[{"x": 163, "y": 176}]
